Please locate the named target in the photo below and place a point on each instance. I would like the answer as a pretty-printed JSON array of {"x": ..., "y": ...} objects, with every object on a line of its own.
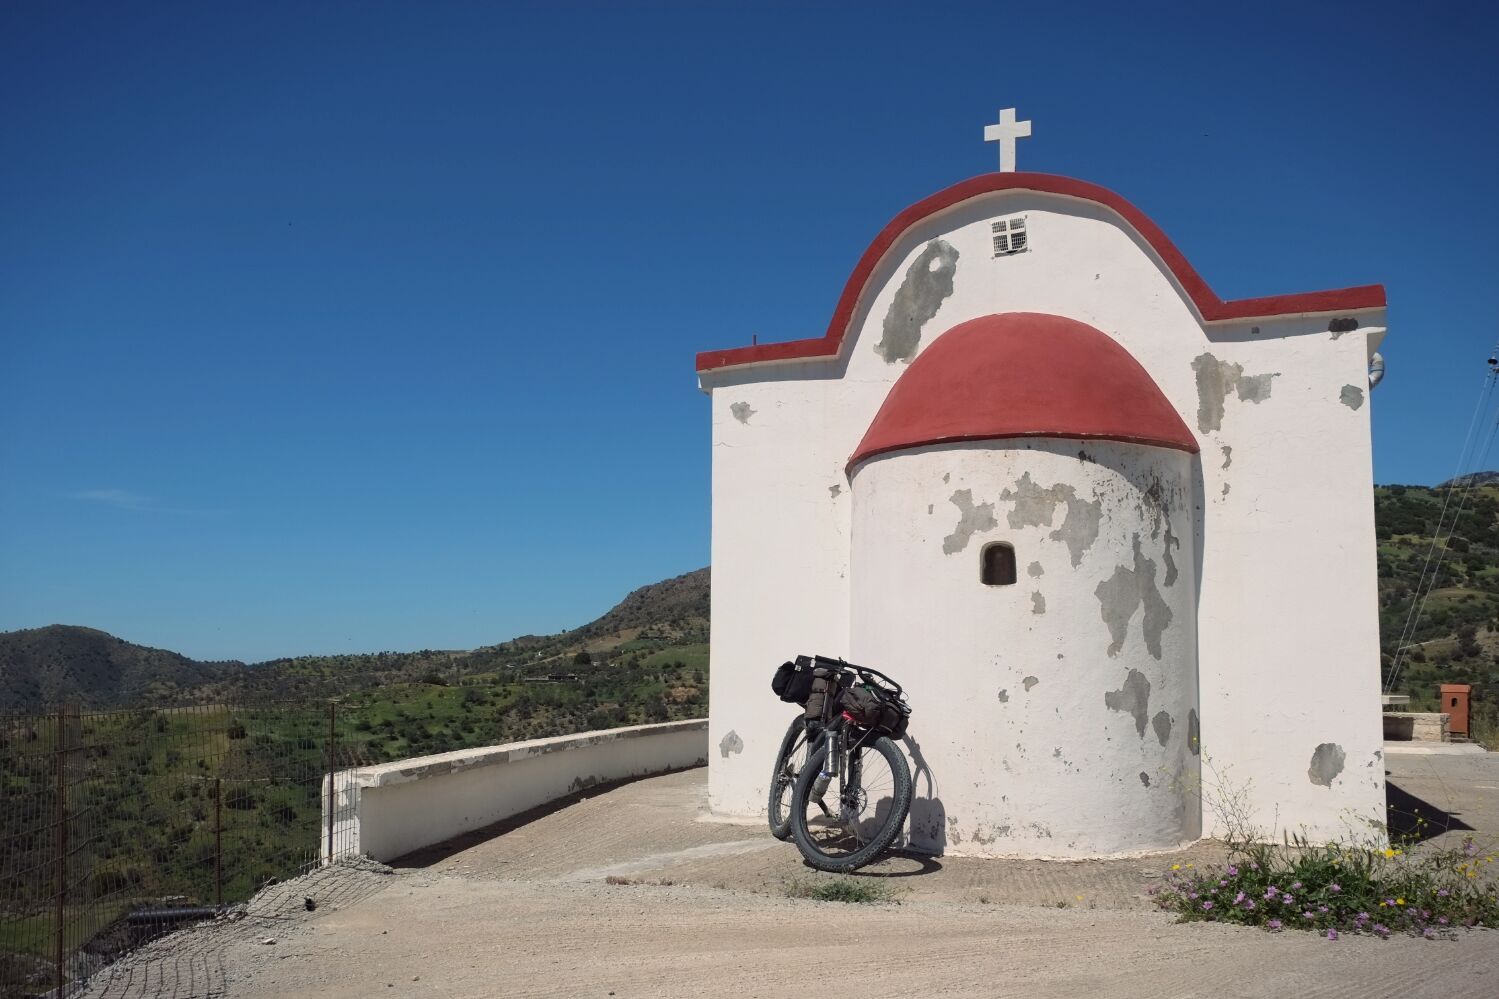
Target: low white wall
[{"x": 386, "y": 811}]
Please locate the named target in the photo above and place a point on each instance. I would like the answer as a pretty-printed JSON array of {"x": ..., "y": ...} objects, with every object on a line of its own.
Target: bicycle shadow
[{"x": 926, "y": 828}]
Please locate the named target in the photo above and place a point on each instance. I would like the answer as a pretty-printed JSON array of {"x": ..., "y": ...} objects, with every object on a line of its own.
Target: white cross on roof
[{"x": 1005, "y": 133}]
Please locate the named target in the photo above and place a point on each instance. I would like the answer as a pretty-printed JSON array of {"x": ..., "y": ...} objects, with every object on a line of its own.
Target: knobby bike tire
[
  {"x": 783, "y": 779},
  {"x": 877, "y": 843}
]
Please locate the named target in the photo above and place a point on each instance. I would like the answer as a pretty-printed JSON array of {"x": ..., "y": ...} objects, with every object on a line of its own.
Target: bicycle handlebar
[{"x": 844, "y": 666}]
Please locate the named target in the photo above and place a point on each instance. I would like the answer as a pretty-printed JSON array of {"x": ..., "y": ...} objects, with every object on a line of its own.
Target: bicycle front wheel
[
  {"x": 857, "y": 817},
  {"x": 789, "y": 761}
]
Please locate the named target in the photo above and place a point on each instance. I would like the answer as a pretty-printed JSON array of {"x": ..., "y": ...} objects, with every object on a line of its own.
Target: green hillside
[{"x": 1452, "y": 636}]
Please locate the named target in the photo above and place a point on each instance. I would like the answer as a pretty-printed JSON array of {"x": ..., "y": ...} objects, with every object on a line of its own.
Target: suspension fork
[{"x": 832, "y": 762}]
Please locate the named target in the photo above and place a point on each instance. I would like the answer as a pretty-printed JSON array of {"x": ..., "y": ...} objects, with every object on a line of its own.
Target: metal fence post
[
  {"x": 62, "y": 845},
  {"x": 332, "y": 762},
  {"x": 218, "y": 841}
]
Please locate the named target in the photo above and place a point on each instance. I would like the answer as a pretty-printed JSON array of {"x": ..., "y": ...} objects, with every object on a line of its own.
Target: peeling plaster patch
[
  {"x": 1034, "y": 570},
  {"x": 1133, "y": 699},
  {"x": 1080, "y": 527},
  {"x": 929, "y": 508},
  {"x": 742, "y": 411},
  {"x": 730, "y": 743},
  {"x": 1352, "y": 396},
  {"x": 1327, "y": 763},
  {"x": 1256, "y": 388},
  {"x": 1038, "y": 603},
  {"x": 946, "y": 476},
  {"x": 1028, "y": 683},
  {"x": 1344, "y": 324},
  {"x": 1004, "y": 697},
  {"x": 927, "y": 284},
  {"x": 1036, "y": 507},
  {"x": 1172, "y": 541},
  {"x": 834, "y": 490},
  {"x": 1216, "y": 379},
  {"x": 1057, "y": 753},
  {"x": 1126, "y": 591},
  {"x": 1162, "y": 725},
  {"x": 1144, "y": 778},
  {"x": 1194, "y": 732},
  {"x": 1226, "y": 488},
  {"x": 1085, "y": 456},
  {"x": 1254, "y": 331},
  {"x": 971, "y": 520},
  {"x": 1228, "y": 455}
]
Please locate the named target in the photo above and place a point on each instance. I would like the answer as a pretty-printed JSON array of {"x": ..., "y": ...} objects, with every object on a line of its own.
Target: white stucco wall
[
  {"x": 1287, "y": 620},
  {"x": 387, "y": 811},
  {"x": 1051, "y": 717}
]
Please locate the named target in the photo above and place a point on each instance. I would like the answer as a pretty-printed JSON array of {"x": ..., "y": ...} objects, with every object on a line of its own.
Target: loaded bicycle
[{"x": 840, "y": 788}]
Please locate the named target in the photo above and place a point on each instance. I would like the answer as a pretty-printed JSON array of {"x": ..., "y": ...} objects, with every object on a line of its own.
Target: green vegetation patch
[
  {"x": 853, "y": 890},
  {"x": 1335, "y": 890}
]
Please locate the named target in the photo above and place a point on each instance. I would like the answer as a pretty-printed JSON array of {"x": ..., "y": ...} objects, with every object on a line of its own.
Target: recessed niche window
[{"x": 997, "y": 564}]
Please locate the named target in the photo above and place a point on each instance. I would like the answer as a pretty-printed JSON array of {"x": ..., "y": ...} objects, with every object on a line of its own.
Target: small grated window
[
  {"x": 1009, "y": 236},
  {"x": 997, "y": 564}
]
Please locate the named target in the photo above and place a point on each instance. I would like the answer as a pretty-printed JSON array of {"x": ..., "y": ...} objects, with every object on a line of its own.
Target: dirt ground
[{"x": 525, "y": 909}]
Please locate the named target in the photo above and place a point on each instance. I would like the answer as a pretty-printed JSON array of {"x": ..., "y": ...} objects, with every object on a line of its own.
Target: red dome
[{"x": 1023, "y": 374}]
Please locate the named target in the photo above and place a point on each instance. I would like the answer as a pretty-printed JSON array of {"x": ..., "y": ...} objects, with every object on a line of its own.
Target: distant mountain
[
  {"x": 93, "y": 669},
  {"x": 675, "y": 604},
  {"x": 1477, "y": 478},
  {"x": 64, "y": 663}
]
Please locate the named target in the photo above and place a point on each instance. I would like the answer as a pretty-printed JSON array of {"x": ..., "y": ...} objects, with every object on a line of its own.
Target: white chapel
[{"x": 1114, "y": 534}]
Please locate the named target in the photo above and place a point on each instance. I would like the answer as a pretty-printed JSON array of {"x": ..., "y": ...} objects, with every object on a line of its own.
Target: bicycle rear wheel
[
  {"x": 789, "y": 760},
  {"x": 858, "y": 817}
]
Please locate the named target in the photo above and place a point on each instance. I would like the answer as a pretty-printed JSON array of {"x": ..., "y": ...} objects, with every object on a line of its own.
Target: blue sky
[{"x": 353, "y": 326}]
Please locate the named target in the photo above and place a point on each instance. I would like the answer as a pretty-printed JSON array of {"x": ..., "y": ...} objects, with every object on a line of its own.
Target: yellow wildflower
[
  {"x": 1176, "y": 867},
  {"x": 1399, "y": 901},
  {"x": 1388, "y": 853}
]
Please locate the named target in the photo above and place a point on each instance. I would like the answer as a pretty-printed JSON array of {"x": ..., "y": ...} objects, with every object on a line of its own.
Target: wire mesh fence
[{"x": 117, "y": 826}]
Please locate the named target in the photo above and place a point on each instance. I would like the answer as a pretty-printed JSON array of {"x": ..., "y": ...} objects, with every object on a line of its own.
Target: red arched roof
[
  {"x": 1023, "y": 374},
  {"x": 1209, "y": 306}
]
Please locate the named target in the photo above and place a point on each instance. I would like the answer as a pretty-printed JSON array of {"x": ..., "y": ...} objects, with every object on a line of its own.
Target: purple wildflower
[
  {"x": 1381, "y": 929},
  {"x": 1334, "y": 888},
  {"x": 1296, "y": 885},
  {"x": 1321, "y": 908},
  {"x": 1192, "y": 895},
  {"x": 1274, "y": 924},
  {"x": 1443, "y": 893},
  {"x": 1238, "y": 898},
  {"x": 1308, "y": 915},
  {"x": 1253, "y": 866},
  {"x": 1429, "y": 933},
  {"x": 1332, "y": 934},
  {"x": 1442, "y": 920},
  {"x": 1207, "y": 906},
  {"x": 1362, "y": 917},
  {"x": 1470, "y": 847},
  {"x": 1288, "y": 899},
  {"x": 1232, "y": 871},
  {"x": 1249, "y": 904},
  {"x": 1222, "y": 883}
]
